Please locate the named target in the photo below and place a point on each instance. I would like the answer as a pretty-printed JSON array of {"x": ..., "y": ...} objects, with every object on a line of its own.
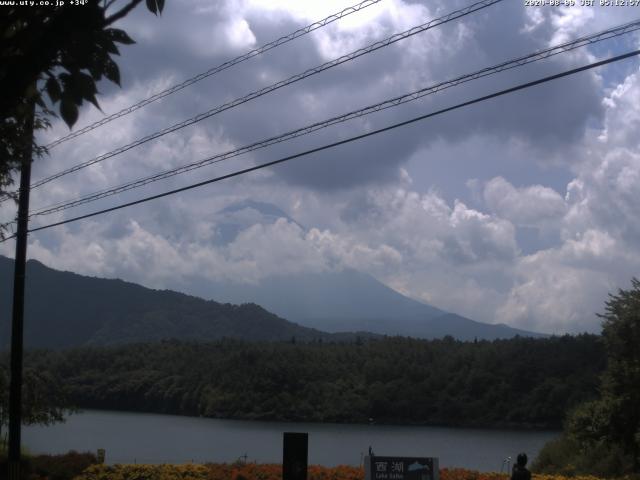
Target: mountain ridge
[
  {"x": 75, "y": 310},
  {"x": 65, "y": 309},
  {"x": 358, "y": 302},
  {"x": 334, "y": 299}
]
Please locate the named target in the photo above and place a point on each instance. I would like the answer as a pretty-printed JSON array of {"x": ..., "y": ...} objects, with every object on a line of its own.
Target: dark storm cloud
[
  {"x": 185, "y": 42},
  {"x": 494, "y": 35}
]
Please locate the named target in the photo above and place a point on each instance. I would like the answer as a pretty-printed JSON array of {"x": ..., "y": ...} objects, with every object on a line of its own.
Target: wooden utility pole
[{"x": 17, "y": 320}]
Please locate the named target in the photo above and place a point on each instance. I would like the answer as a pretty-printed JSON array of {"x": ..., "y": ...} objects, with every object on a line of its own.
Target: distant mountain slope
[
  {"x": 341, "y": 300},
  {"x": 340, "y": 294},
  {"x": 349, "y": 300},
  {"x": 64, "y": 309}
]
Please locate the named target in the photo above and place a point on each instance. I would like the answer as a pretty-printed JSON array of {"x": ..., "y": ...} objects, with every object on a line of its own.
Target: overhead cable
[
  {"x": 341, "y": 142},
  {"x": 393, "y": 102},
  {"x": 265, "y": 90},
  {"x": 212, "y": 71}
]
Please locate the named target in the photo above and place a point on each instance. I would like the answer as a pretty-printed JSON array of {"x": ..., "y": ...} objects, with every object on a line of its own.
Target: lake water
[{"x": 150, "y": 438}]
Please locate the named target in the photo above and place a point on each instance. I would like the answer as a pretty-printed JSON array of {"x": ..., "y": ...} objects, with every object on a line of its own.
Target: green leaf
[
  {"x": 152, "y": 6},
  {"x": 119, "y": 36},
  {"x": 95, "y": 64},
  {"x": 111, "y": 71},
  {"x": 53, "y": 89},
  {"x": 84, "y": 83},
  {"x": 94, "y": 101},
  {"x": 108, "y": 45},
  {"x": 86, "y": 87},
  {"x": 71, "y": 86},
  {"x": 68, "y": 111},
  {"x": 69, "y": 90}
]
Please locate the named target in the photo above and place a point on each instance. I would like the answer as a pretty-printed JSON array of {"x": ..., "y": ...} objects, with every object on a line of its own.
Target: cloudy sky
[{"x": 521, "y": 210}]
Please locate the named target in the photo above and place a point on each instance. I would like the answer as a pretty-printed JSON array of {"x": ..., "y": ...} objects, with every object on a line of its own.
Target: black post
[
  {"x": 294, "y": 456},
  {"x": 17, "y": 321}
]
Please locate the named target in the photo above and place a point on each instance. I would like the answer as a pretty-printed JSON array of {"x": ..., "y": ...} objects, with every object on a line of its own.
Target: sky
[{"x": 520, "y": 210}]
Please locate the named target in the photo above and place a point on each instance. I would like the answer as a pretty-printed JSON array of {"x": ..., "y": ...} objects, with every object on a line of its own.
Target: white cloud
[
  {"x": 561, "y": 289},
  {"x": 534, "y": 206},
  {"x": 569, "y": 21}
]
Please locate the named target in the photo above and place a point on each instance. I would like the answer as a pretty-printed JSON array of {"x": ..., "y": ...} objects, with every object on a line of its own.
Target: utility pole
[{"x": 17, "y": 320}]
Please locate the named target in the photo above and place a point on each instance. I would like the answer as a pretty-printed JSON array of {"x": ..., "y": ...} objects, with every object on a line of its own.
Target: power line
[
  {"x": 342, "y": 142},
  {"x": 212, "y": 71},
  {"x": 523, "y": 60},
  {"x": 265, "y": 90}
]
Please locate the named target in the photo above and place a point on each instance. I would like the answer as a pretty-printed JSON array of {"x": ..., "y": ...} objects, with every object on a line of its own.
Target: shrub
[
  {"x": 145, "y": 472},
  {"x": 566, "y": 456},
  {"x": 557, "y": 457},
  {"x": 60, "y": 467}
]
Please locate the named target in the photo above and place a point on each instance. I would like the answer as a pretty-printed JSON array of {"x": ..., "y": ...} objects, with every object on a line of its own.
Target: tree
[
  {"x": 44, "y": 401},
  {"x": 54, "y": 53},
  {"x": 602, "y": 436},
  {"x": 621, "y": 381}
]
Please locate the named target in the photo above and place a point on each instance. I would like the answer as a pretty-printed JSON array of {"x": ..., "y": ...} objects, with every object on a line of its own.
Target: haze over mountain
[{"x": 337, "y": 300}]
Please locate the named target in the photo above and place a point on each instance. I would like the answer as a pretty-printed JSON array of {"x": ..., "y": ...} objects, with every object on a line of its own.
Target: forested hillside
[
  {"x": 63, "y": 310},
  {"x": 517, "y": 382}
]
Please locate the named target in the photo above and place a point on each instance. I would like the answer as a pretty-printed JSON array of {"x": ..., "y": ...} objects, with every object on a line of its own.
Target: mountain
[
  {"x": 64, "y": 309},
  {"x": 335, "y": 301},
  {"x": 349, "y": 300},
  {"x": 234, "y": 218}
]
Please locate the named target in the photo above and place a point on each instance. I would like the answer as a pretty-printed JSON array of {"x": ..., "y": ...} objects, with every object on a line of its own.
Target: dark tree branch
[{"x": 123, "y": 12}]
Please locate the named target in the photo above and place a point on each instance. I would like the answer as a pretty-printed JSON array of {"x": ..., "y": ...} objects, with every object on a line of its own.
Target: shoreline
[{"x": 507, "y": 427}]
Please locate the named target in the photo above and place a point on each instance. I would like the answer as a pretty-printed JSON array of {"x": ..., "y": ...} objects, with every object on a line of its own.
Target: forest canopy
[{"x": 520, "y": 382}]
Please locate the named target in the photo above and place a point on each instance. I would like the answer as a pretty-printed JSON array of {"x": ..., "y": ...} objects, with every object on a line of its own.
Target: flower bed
[{"x": 251, "y": 471}]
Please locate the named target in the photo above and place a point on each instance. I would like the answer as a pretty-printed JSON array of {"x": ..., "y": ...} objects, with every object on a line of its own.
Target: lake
[{"x": 151, "y": 438}]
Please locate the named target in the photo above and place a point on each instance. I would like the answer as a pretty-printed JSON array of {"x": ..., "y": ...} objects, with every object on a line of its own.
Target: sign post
[{"x": 295, "y": 456}]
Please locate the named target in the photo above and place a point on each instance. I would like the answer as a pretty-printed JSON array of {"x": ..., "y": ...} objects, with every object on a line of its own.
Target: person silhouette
[{"x": 520, "y": 471}]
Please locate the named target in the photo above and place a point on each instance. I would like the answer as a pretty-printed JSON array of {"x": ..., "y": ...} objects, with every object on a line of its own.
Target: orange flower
[{"x": 253, "y": 471}]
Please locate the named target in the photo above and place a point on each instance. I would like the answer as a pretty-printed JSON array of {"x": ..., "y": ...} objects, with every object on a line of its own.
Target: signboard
[{"x": 401, "y": 468}]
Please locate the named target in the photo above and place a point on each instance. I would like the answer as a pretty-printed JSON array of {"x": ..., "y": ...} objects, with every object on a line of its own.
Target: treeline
[{"x": 520, "y": 382}]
